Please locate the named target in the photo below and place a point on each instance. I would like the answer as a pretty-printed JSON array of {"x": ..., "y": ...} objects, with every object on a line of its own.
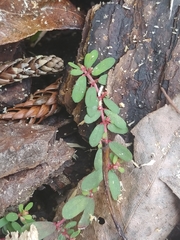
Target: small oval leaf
[
  {"x": 3, "y": 222},
  {"x": 90, "y": 58},
  {"x": 71, "y": 224},
  {"x": 92, "y": 111},
  {"x": 96, "y": 135},
  {"x": 11, "y": 217},
  {"x": 74, "y": 206},
  {"x": 73, "y": 65},
  {"x": 91, "y": 98},
  {"x": 92, "y": 119},
  {"x": 76, "y": 72},
  {"x": 27, "y": 217},
  {"x": 115, "y": 159},
  {"x": 20, "y": 207},
  {"x": 114, "y": 185},
  {"x": 92, "y": 180},
  {"x": 28, "y": 206},
  {"x": 17, "y": 227},
  {"x": 75, "y": 234},
  {"x": 79, "y": 89},
  {"x": 111, "y": 105},
  {"x": 89, "y": 210},
  {"x": 103, "y": 66},
  {"x": 121, "y": 151},
  {"x": 116, "y": 119},
  {"x": 112, "y": 128},
  {"x": 61, "y": 237},
  {"x": 103, "y": 79},
  {"x": 98, "y": 160}
]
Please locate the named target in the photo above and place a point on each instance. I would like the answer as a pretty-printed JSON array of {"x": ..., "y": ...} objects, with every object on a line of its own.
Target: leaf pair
[
  {"x": 117, "y": 124},
  {"x": 80, "y": 86},
  {"x": 70, "y": 231},
  {"x": 75, "y": 206}
]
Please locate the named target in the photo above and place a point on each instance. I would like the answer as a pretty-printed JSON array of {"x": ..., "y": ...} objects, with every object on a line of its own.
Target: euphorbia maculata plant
[{"x": 90, "y": 86}]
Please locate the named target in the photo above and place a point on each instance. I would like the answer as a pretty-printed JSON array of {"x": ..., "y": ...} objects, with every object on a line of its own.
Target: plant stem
[
  {"x": 105, "y": 178},
  {"x": 59, "y": 223},
  {"x": 105, "y": 149}
]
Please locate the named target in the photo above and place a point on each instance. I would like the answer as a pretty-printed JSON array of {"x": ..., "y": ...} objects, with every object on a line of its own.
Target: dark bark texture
[
  {"x": 143, "y": 39},
  {"x": 29, "y": 157}
]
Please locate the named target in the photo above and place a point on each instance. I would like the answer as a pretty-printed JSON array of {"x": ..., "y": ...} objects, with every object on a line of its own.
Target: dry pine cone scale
[
  {"x": 41, "y": 105},
  {"x": 19, "y": 69}
]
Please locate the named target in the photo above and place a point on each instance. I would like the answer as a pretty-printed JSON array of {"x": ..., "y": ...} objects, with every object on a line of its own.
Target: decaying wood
[
  {"x": 29, "y": 154},
  {"x": 20, "y": 69},
  {"x": 143, "y": 41},
  {"x": 42, "y": 104}
]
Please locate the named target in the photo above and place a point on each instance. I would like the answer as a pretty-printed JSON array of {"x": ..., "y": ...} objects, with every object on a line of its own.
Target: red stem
[{"x": 92, "y": 82}]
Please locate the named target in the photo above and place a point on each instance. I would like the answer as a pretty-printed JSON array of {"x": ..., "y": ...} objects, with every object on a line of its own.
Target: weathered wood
[
  {"x": 144, "y": 42},
  {"x": 29, "y": 156}
]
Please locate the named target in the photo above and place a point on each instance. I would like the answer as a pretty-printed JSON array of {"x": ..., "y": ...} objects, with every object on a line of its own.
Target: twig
[{"x": 169, "y": 100}]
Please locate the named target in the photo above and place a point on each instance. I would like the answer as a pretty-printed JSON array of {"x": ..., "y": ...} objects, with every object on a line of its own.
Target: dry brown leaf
[{"x": 22, "y": 18}]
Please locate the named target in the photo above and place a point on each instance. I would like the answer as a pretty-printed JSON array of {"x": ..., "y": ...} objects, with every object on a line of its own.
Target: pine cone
[
  {"x": 19, "y": 69},
  {"x": 41, "y": 104}
]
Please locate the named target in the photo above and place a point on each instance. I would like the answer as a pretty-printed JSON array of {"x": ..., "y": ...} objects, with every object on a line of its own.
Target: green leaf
[
  {"x": 115, "y": 159},
  {"x": 91, "y": 99},
  {"x": 111, "y": 105},
  {"x": 21, "y": 207},
  {"x": 92, "y": 119},
  {"x": 71, "y": 224},
  {"x": 74, "y": 206},
  {"x": 76, "y": 72},
  {"x": 121, "y": 170},
  {"x": 79, "y": 89},
  {"x": 27, "y": 217},
  {"x": 114, "y": 185},
  {"x": 89, "y": 210},
  {"x": 28, "y": 206},
  {"x": 92, "y": 180},
  {"x": 70, "y": 231},
  {"x": 3, "y": 222},
  {"x": 113, "y": 128},
  {"x": 25, "y": 227},
  {"x": 121, "y": 151},
  {"x": 92, "y": 111},
  {"x": 103, "y": 66},
  {"x": 96, "y": 135},
  {"x": 85, "y": 193},
  {"x": 103, "y": 79},
  {"x": 8, "y": 228},
  {"x": 116, "y": 119},
  {"x": 17, "y": 227},
  {"x": 11, "y": 217},
  {"x": 73, "y": 65},
  {"x": 61, "y": 237},
  {"x": 90, "y": 58},
  {"x": 98, "y": 162},
  {"x": 75, "y": 234},
  {"x": 44, "y": 229}
]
